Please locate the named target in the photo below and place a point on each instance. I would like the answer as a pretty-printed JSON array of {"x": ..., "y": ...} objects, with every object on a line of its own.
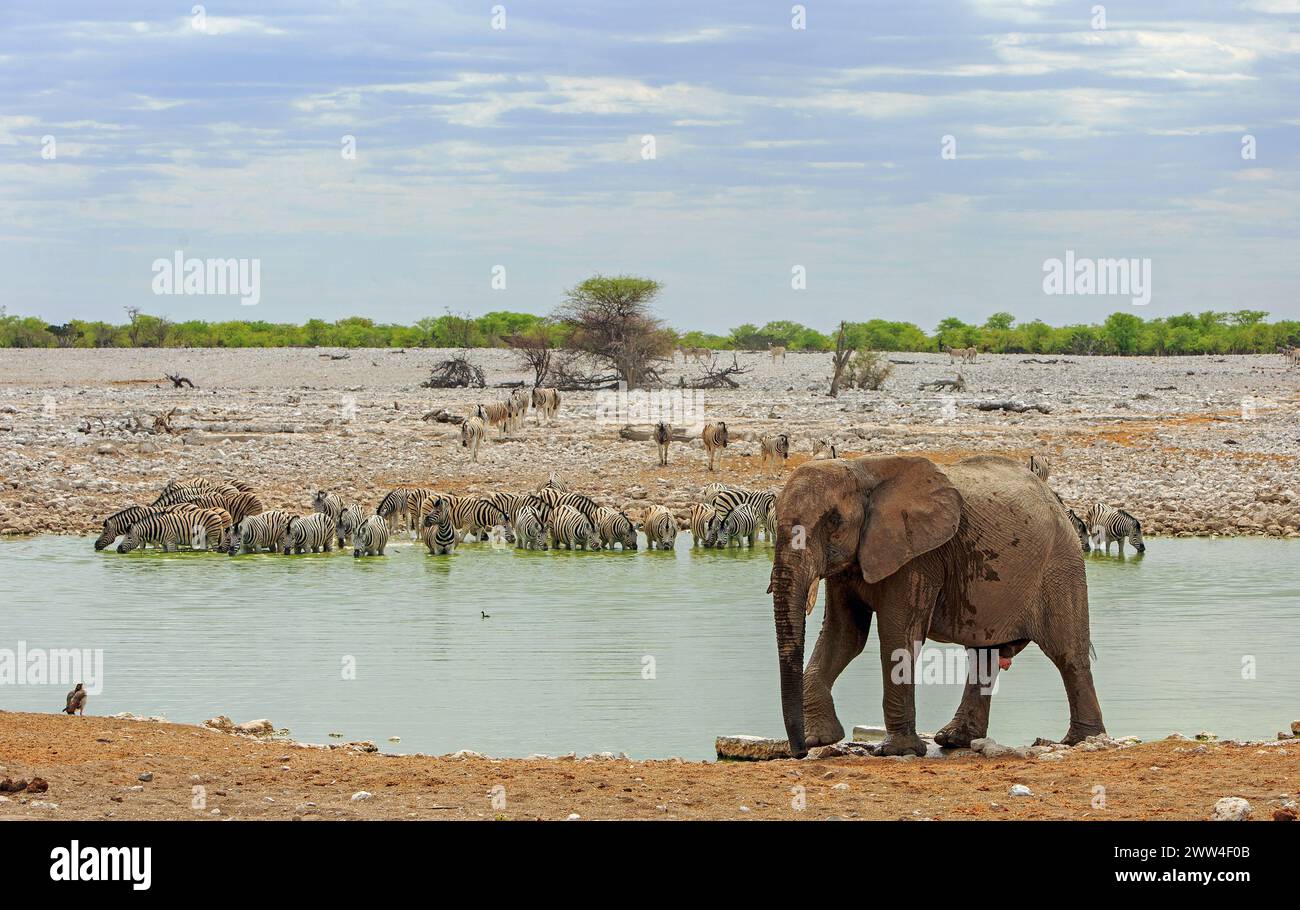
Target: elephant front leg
[
  {"x": 903, "y": 620},
  {"x": 845, "y": 624}
]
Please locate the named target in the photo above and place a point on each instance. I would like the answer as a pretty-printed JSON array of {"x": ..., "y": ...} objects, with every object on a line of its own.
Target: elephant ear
[{"x": 911, "y": 508}]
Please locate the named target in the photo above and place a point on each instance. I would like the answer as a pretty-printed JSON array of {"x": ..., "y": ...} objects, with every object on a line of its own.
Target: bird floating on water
[
  {"x": 484, "y": 615},
  {"x": 76, "y": 702}
]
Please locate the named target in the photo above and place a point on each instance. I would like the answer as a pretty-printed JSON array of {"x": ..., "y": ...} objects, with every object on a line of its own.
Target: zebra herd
[
  {"x": 508, "y": 415},
  {"x": 1101, "y": 525}
]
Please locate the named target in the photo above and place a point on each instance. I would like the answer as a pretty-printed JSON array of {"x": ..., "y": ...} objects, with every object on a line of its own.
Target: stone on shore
[
  {"x": 751, "y": 748},
  {"x": 868, "y": 733},
  {"x": 1231, "y": 809}
]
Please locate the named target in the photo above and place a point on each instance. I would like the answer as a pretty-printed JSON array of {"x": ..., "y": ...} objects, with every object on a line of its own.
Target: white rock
[
  {"x": 360, "y": 795},
  {"x": 1020, "y": 790},
  {"x": 1231, "y": 809}
]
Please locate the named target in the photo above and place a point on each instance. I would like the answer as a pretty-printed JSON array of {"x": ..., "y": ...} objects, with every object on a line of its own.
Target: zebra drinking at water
[
  {"x": 330, "y": 504},
  {"x": 615, "y": 528},
  {"x": 314, "y": 532},
  {"x": 660, "y": 528},
  {"x": 477, "y": 516},
  {"x": 570, "y": 527},
  {"x": 741, "y": 524},
  {"x": 258, "y": 531},
  {"x": 1107, "y": 524},
  {"x": 166, "y": 529},
  {"x": 530, "y": 531},
  {"x": 210, "y": 529},
  {"x": 714, "y": 437},
  {"x": 370, "y": 538},
  {"x": 724, "y": 502},
  {"x": 701, "y": 518},
  {"x": 348, "y": 521},
  {"x": 438, "y": 531},
  {"x": 120, "y": 522}
]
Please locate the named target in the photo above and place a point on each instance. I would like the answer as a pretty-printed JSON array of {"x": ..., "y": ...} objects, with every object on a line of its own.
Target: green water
[{"x": 651, "y": 653}]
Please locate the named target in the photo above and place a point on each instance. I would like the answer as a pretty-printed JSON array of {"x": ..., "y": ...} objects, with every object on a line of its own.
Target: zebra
[
  {"x": 714, "y": 437},
  {"x": 546, "y": 402},
  {"x": 396, "y": 504},
  {"x": 370, "y": 538},
  {"x": 1081, "y": 529},
  {"x": 723, "y": 503},
  {"x": 553, "y": 497},
  {"x": 471, "y": 435},
  {"x": 660, "y": 528},
  {"x": 741, "y": 523},
  {"x": 663, "y": 436},
  {"x": 120, "y": 522},
  {"x": 207, "y": 525},
  {"x": 713, "y": 489},
  {"x": 241, "y": 504},
  {"x": 313, "y": 532},
  {"x": 776, "y": 351},
  {"x": 530, "y": 531},
  {"x": 701, "y": 518},
  {"x": 1041, "y": 466},
  {"x": 769, "y": 522},
  {"x": 499, "y": 414},
  {"x": 256, "y": 531},
  {"x": 330, "y": 504},
  {"x": 520, "y": 399},
  {"x": 615, "y": 527},
  {"x": 553, "y": 482},
  {"x": 1107, "y": 524},
  {"x": 824, "y": 448},
  {"x": 478, "y": 516},
  {"x": 347, "y": 523},
  {"x": 572, "y": 528},
  {"x": 775, "y": 448},
  {"x": 166, "y": 529},
  {"x": 439, "y": 534}
]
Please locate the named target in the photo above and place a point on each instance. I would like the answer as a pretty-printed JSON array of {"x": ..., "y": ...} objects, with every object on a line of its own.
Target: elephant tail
[{"x": 1092, "y": 651}]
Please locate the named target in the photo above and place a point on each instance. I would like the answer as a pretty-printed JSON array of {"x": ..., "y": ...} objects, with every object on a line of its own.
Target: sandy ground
[
  {"x": 93, "y": 767},
  {"x": 1191, "y": 445}
]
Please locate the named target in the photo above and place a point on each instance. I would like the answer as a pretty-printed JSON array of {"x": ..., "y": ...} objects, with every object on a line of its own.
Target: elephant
[{"x": 977, "y": 553}]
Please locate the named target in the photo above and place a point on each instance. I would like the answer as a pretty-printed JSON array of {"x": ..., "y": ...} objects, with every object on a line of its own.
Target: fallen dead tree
[
  {"x": 1053, "y": 360},
  {"x": 570, "y": 374},
  {"x": 178, "y": 381},
  {"x": 442, "y": 415},
  {"x": 717, "y": 378},
  {"x": 456, "y": 373},
  {"x": 954, "y": 385},
  {"x": 1012, "y": 405}
]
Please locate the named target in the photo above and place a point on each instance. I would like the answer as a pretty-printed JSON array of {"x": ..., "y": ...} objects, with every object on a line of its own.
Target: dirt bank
[{"x": 94, "y": 764}]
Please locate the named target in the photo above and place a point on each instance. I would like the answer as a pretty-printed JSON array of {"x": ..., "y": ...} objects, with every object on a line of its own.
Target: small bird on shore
[{"x": 76, "y": 702}]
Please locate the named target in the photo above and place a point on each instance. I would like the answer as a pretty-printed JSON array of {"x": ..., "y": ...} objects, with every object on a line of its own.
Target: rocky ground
[
  {"x": 1191, "y": 445},
  {"x": 109, "y": 768}
]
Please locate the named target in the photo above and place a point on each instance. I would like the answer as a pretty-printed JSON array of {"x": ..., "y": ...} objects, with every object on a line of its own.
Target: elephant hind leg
[
  {"x": 1085, "y": 709},
  {"x": 972, "y": 718}
]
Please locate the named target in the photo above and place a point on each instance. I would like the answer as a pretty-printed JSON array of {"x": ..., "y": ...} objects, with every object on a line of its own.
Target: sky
[{"x": 715, "y": 147}]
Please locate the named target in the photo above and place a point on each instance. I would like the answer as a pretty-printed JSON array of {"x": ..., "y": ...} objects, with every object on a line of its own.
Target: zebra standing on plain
[
  {"x": 660, "y": 528},
  {"x": 701, "y": 518},
  {"x": 1107, "y": 524},
  {"x": 314, "y": 532},
  {"x": 348, "y": 521},
  {"x": 714, "y": 437},
  {"x": 371, "y": 538},
  {"x": 741, "y": 524},
  {"x": 1041, "y": 466},
  {"x": 167, "y": 529},
  {"x": 330, "y": 504},
  {"x": 824, "y": 448},
  {"x": 438, "y": 532},
  {"x": 471, "y": 435},
  {"x": 530, "y": 530},
  {"x": 546, "y": 402},
  {"x": 570, "y": 527},
  {"x": 497, "y": 414},
  {"x": 775, "y": 448},
  {"x": 615, "y": 527},
  {"x": 259, "y": 531},
  {"x": 776, "y": 351},
  {"x": 663, "y": 436},
  {"x": 520, "y": 399}
]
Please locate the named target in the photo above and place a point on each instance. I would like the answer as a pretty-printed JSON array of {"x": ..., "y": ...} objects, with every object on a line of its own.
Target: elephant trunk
[{"x": 790, "y": 586}]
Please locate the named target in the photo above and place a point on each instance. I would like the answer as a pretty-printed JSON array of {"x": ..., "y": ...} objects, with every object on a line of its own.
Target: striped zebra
[
  {"x": 530, "y": 530},
  {"x": 825, "y": 449},
  {"x": 614, "y": 527},
  {"x": 438, "y": 532},
  {"x": 546, "y": 403},
  {"x": 714, "y": 437},
  {"x": 713, "y": 489},
  {"x": 663, "y": 436},
  {"x": 554, "y": 497},
  {"x": 570, "y": 527},
  {"x": 509, "y": 503},
  {"x": 775, "y": 448},
  {"x": 347, "y": 523},
  {"x": 241, "y": 504},
  {"x": 769, "y": 522},
  {"x": 326, "y": 503},
  {"x": 314, "y": 532},
  {"x": 370, "y": 538},
  {"x": 701, "y": 517},
  {"x": 553, "y": 482},
  {"x": 120, "y": 522},
  {"x": 1107, "y": 524},
  {"x": 1081, "y": 529},
  {"x": 478, "y": 516},
  {"x": 499, "y": 414},
  {"x": 660, "y": 528},
  {"x": 471, "y": 435},
  {"x": 179, "y": 494},
  {"x": 520, "y": 399},
  {"x": 395, "y": 506},
  {"x": 210, "y": 529},
  {"x": 723, "y": 503},
  {"x": 777, "y": 351},
  {"x": 258, "y": 531},
  {"x": 741, "y": 524},
  {"x": 168, "y": 530},
  {"x": 1041, "y": 466}
]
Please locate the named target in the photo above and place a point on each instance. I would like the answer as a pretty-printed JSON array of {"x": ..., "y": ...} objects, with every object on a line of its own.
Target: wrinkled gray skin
[{"x": 978, "y": 553}]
